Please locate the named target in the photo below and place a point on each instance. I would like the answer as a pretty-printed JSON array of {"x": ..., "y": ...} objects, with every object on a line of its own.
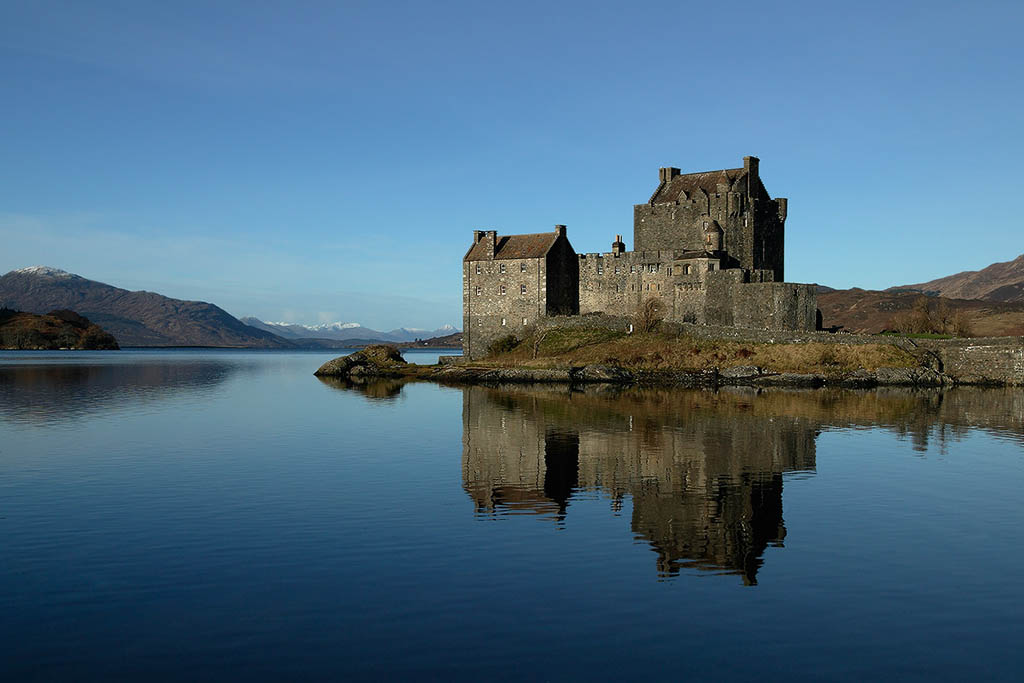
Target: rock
[
  {"x": 924, "y": 377},
  {"x": 740, "y": 372},
  {"x": 378, "y": 360},
  {"x": 790, "y": 379},
  {"x": 602, "y": 373},
  {"x": 858, "y": 379}
]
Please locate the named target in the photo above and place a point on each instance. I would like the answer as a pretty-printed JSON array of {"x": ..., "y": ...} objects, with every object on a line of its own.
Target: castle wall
[
  {"x": 618, "y": 283},
  {"x": 734, "y": 301},
  {"x": 488, "y": 313}
]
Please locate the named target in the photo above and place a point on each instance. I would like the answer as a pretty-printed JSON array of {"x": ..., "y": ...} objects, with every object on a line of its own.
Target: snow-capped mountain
[
  {"x": 342, "y": 331},
  {"x": 47, "y": 271}
]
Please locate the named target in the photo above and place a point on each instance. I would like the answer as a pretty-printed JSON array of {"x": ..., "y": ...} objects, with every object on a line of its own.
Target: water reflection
[
  {"x": 704, "y": 471},
  {"x": 55, "y": 393},
  {"x": 373, "y": 389}
]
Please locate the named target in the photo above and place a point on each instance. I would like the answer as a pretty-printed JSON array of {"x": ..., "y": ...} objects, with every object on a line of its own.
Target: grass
[{"x": 661, "y": 351}]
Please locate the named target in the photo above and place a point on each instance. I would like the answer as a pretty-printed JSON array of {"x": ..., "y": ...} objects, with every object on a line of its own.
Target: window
[
  {"x": 600, "y": 268},
  {"x": 478, "y": 291},
  {"x": 503, "y": 290},
  {"x": 648, "y": 286},
  {"x": 711, "y": 267},
  {"x": 478, "y": 269},
  {"x": 524, "y": 322},
  {"x": 522, "y": 267},
  {"x": 503, "y": 322},
  {"x": 670, "y": 270},
  {"x": 501, "y": 268},
  {"x": 522, "y": 289},
  {"x": 686, "y": 269},
  {"x": 632, "y": 269},
  {"x": 616, "y": 270}
]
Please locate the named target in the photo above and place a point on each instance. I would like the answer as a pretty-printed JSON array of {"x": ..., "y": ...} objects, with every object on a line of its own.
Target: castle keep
[{"x": 708, "y": 246}]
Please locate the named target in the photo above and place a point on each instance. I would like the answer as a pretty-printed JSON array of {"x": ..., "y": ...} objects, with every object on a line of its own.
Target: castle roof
[
  {"x": 514, "y": 246},
  {"x": 691, "y": 182}
]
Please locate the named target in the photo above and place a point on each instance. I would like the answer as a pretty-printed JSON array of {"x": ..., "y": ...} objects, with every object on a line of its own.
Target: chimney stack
[
  {"x": 666, "y": 174},
  {"x": 560, "y": 230},
  {"x": 618, "y": 246},
  {"x": 750, "y": 165}
]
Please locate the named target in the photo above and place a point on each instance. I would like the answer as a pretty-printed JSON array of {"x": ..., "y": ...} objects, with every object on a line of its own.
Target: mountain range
[
  {"x": 997, "y": 282},
  {"x": 151, "y": 319},
  {"x": 347, "y": 331},
  {"x": 992, "y": 299}
]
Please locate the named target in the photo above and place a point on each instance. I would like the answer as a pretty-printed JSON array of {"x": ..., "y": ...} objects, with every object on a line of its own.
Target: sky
[{"x": 328, "y": 161}]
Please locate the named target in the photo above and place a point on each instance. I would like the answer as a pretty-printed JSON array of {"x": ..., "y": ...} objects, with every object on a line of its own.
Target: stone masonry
[{"x": 708, "y": 247}]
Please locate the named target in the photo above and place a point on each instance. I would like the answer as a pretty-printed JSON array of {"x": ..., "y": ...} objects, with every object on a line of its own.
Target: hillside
[
  {"x": 55, "y": 330},
  {"x": 870, "y": 312},
  {"x": 997, "y": 282},
  {"x": 134, "y": 318},
  {"x": 448, "y": 341}
]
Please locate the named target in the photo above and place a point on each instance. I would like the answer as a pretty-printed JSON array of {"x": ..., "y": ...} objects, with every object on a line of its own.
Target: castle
[{"x": 708, "y": 246}]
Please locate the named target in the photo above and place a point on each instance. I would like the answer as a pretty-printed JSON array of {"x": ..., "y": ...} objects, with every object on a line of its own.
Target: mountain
[
  {"x": 134, "y": 318},
  {"x": 347, "y": 331},
  {"x": 870, "y": 312},
  {"x": 55, "y": 330},
  {"x": 997, "y": 282}
]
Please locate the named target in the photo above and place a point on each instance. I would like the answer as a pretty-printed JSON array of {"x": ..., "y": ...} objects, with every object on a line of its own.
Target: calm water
[{"x": 212, "y": 515}]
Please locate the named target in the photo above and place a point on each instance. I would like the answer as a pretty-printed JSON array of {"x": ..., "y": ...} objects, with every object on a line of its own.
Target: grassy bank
[{"x": 657, "y": 351}]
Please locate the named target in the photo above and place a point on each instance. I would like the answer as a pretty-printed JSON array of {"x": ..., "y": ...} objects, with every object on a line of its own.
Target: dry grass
[{"x": 656, "y": 351}]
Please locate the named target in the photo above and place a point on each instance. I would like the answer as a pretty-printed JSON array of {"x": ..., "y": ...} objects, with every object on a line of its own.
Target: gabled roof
[
  {"x": 514, "y": 246},
  {"x": 691, "y": 182}
]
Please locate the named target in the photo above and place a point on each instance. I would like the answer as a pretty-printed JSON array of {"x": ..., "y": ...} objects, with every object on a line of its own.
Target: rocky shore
[{"x": 386, "y": 362}]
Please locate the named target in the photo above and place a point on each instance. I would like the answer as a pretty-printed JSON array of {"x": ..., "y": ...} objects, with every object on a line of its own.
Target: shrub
[
  {"x": 649, "y": 314},
  {"x": 502, "y": 345}
]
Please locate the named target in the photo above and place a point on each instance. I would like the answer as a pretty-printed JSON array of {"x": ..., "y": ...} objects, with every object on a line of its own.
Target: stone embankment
[
  {"x": 383, "y": 361},
  {"x": 942, "y": 362}
]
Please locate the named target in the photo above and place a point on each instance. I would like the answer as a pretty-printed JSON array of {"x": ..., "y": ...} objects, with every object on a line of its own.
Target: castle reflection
[{"x": 703, "y": 470}]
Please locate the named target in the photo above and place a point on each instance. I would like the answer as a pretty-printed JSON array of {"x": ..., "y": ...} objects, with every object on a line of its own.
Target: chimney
[
  {"x": 750, "y": 165},
  {"x": 477, "y": 234},
  {"x": 666, "y": 174},
  {"x": 560, "y": 230},
  {"x": 618, "y": 246}
]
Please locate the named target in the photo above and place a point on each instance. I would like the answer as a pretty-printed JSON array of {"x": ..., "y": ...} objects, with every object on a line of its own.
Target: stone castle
[{"x": 708, "y": 246}]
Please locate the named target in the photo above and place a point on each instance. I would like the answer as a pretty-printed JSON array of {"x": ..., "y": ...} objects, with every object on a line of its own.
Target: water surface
[{"x": 205, "y": 515}]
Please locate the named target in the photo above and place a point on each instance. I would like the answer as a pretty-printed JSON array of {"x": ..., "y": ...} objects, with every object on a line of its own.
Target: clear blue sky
[{"x": 313, "y": 161}]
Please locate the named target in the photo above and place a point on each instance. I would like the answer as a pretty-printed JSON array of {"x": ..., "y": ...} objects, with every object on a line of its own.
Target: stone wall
[
  {"x": 618, "y": 283},
  {"x": 998, "y": 360},
  {"x": 489, "y": 312}
]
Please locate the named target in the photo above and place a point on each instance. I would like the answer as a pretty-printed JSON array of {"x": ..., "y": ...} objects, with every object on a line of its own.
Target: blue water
[{"x": 212, "y": 515}]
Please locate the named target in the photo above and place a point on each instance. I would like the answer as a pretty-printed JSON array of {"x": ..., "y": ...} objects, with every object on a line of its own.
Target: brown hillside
[
  {"x": 997, "y": 282},
  {"x": 870, "y": 312},
  {"x": 135, "y": 318},
  {"x": 56, "y": 330}
]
